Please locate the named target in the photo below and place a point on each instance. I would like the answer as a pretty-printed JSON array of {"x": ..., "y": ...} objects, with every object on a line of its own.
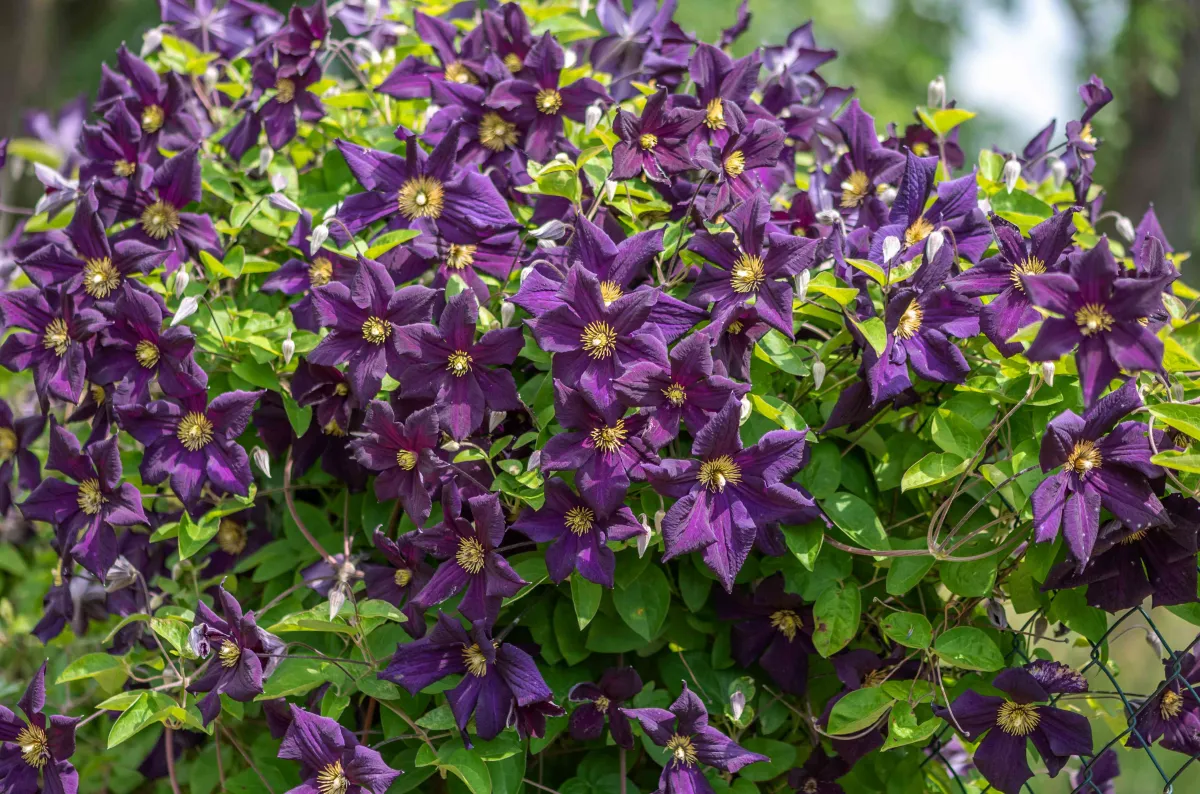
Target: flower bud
[
  {"x": 643, "y": 540},
  {"x": 1058, "y": 169},
  {"x": 494, "y": 420},
  {"x": 263, "y": 460},
  {"x": 737, "y": 705},
  {"x": 818, "y": 373},
  {"x": 550, "y": 230},
  {"x": 888, "y": 195},
  {"x": 1048, "y": 372},
  {"x": 182, "y": 279},
  {"x": 507, "y": 310},
  {"x": 320, "y": 234},
  {"x": 610, "y": 190},
  {"x": 562, "y": 157},
  {"x": 452, "y": 446},
  {"x": 570, "y": 59},
  {"x": 985, "y": 206},
  {"x": 151, "y": 40},
  {"x": 210, "y": 77},
  {"x": 591, "y": 118},
  {"x": 802, "y": 282},
  {"x": 265, "y": 156},
  {"x": 891, "y": 247},
  {"x": 122, "y": 574},
  {"x": 337, "y": 597},
  {"x": 282, "y": 202},
  {"x": 371, "y": 10},
  {"x": 1010, "y": 174},
  {"x": 1125, "y": 228},
  {"x": 288, "y": 348},
  {"x": 996, "y": 614},
  {"x": 198, "y": 641},
  {"x": 933, "y": 244},
  {"x": 935, "y": 96},
  {"x": 829, "y": 217},
  {"x": 187, "y": 307},
  {"x": 535, "y": 460},
  {"x": 1153, "y": 641},
  {"x": 746, "y": 408},
  {"x": 584, "y": 7},
  {"x": 1177, "y": 392}
]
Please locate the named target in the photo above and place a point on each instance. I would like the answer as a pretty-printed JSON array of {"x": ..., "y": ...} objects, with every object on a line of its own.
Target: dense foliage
[{"x": 490, "y": 398}]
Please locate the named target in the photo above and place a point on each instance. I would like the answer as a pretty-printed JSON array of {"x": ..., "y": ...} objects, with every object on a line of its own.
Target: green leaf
[
  {"x": 779, "y": 351},
  {"x": 586, "y": 597},
  {"x": 823, "y": 473},
  {"x": 778, "y": 412},
  {"x": 781, "y": 754},
  {"x": 909, "y": 629},
  {"x": 954, "y": 434},
  {"x": 150, "y": 707},
  {"x": 386, "y": 242},
  {"x": 859, "y": 709},
  {"x": 969, "y": 648},
  {"x": 1180, "y": 461},
  {"x": 870, "y": 268},
  {"x": 805, "y": 542},
  {"x": 873, "y": 330},
  {"x": 836, "y": 615},
  {"x": 694, "y": 586},
  {"x": 932, "y": 469},
  {"x": 943, "y": 121},
  {"x": 904, "y": 728},
  {"x": 972, "y": 579},
  {"x": 643, "y": 603},
  {"x": 856, "y": 518},
  {"x": 906, "y": 572},
  {"x": 193, "y": 536},
  {"x": 991, "y": 165},
  {"x": 298, "y": 417},
  {"x": 174, "y": 631},
  {"x": 464, "y": 764},
  {"x": 90, "y": 666},
  {"x": 439, "y": 719}
]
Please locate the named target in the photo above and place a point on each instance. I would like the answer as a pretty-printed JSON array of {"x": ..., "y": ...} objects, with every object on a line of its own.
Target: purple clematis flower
[
  {"x": 305, "y": 35},
  {"x": 1003, "y": 275},
  {"x": 301, "y": 276},
  {"x": 414, "y": 78},
  {"x": 497, "y": 677},
  {"x": 135, "y": 349},
  {"x": 751, "y": 263},
  {"x": 243, "y": 655},
  {"x": 686, "y": 389},
  {"x": 371, "y": 325},
  {"x": 405, "y": 454},
  {"x": 1100, "y": 310},
  {"x": 604, "y": 700},
  {"x": 861, "y": 172},
  {"x": 539, "y": 105},
  {"x": 161, "y": 104},
  {"x": 493, "y": 255},
  {"x": 595, "y": 339},
  {"x": 655, "y": 143},
  {"x": 721, "y": 82},
  {"x": 157, "y": 206},
  {"x": 113, "y": 150},
  {"x": 37, "y": 745},
  {"x": 85, "y": 513},
  {"x": 507, "y": 34},
  {"x": 56, "y": 348},
  {"x": 74, "y": 599},
  {"x": 335, "y": 417},
  {"x": 193, "y": 442},
  {"x": 96, "y": 269},
  {"x": 292, "y": 99},
  {"x": 819, "y": 775},
  {"x": 1103, "y": 464},
  {"x": 735, "y": 162},
  {"x": 604, "y": 448},
  {"x": 1172, "y": 716},
  {"x": 460, "y": 203},
  {"x": 16, "y": 439},
  {"x": 1130, "y": 565},
  {"x": 228, "y": 28},
  {"x": 772, "y": 627},
  {"x": 398, "y": 582},
  {"x": 685, "y": 732},
  {"x": 1098, "y": 776},
  {"x": 578, "y": 533},
  {"x": 471, "y": 564},
  {"x": 727, "y": 494},
  {"x": 1021, "y": 716},
  {"x": 463, "y": 376},
  {"x": 644, "y": 44},
  {"x": 490, "y": 135},
  {"x": 331, "y": 758}
]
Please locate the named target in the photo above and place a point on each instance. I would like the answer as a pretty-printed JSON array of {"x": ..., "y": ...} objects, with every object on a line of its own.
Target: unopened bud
[
  {"x": 584, "y": 7},
  {"x": 122, "y": 574},
  {"x": 182, "y": 279},
  {"x": 829, "y": 217},
  {"x": 1010, "y": 174},
  {"x": 933, "y": 244},
  {"x": 282, "y": 202},
  {"x": 1125, "y": 228},
  {"x": 452, "y": 446},
  {"x": 151, "y": 40},
  {"x": 1177, "y": 391},
  {"x": 737, "y": 705},
  {"x": 985, "y": 206},
  {"x": 591, "y": 118},
  {"x": 187, "y": 307},
  {"x": 891, "y": 247},
  {"x": 744, "y": 411},
  {"x": 550, "y": 230},
  {"x": 371, "y": 9},
  {"x": 337, "y": 597},
  {"x": 265, "y": 156},
  {"x": 1058, "y": 170},
  {"x": 263, "y": 460},
  {"x": 935, "y": 96},
  {"x": 643, "y": 540},
  {"x": 288, "y": 348},
  {"x": 610, "y": 190},
  {"x": 562, "y": 157},
  {"x": 535, "y": 459},
  {"x": 198, "y": 641},
  {"x": 320, "y": 234},
  {"x": 507, "y": 310},
  {"x": 888, "y": 195},
  {"x": 494, "y": 420},
  {"x": 210, "y": 77},
  {"x": 818, "y": 373},
  {"x": 570, "y": 59},
  {"x": 1153, "y": 641},
  {"x": 802, "y": 281},
  {"x": 1048, "y": 372},
  {"x": 996, "y": 614}
]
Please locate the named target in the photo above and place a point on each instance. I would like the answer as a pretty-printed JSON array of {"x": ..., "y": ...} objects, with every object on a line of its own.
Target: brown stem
[
  {"x": 170, "y": 746},
  {"x": 291, "y": 505}
]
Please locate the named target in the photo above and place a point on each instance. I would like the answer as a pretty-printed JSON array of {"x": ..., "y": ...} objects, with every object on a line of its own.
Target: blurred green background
[{"x": 1016, "y": 62}]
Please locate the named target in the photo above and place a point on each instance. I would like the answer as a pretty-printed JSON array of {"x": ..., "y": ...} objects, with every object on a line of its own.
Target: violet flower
[
  {"x": 1003, "y": 275},
  {"x": 753, "y": 263},
  {"x": 1098, "y": 776},
  {"x": 1020, "y": 716},
  {"x": 73, "y": 599},
  {"x": 489, "y": 135},
  {"x": 398, "y": 582},
  {"x": 497, "y": 677},
  {"x": 194, "y": 443},
  {"x": 460, "y": 203},
  {"x": 594, "y": 338},
  {"x": 644, "y": 44},
  {"x": 1172, "y": 716},
  {"x": 300, "y": 276},
  {"x": 819, "y": 775},
  {"x": 859, "y": 175},
  {"x": 414, "y": 78},
  {"x": 305, "y": 35},
  {"x": 405, "y": 455},
  {"x": 1103, "y": 464},
  {"x": 371, "y": 325},
  {"x": 292, "y": 99},
  {"x": 1100, "y": 310},
  {"x": 686, "y": 389},
  {"x": 602, "y": 447},
  {"x": 602, "y": 700},
  {"x": 578, "y": 533},
  {"x": 774, "y": 628},
  {"x": 655, "y": 143},
  {"x": 85, "y": 513},
  {"x": 135, "y": 349},
  {"x": 56, "y": 348},
  {"x": 161, "y": 104},
  {"x": 17, "y": 438},
  {"x": 539, "y": 105},
  {"x": 507, "y": 34},
  {"x": 471, "y": 563},
  {"x": 243, "y": 655},
  {"x": 685, "y": 732},
  {"x": 733, "y": 346},
  {"x": 494, "y": 255},
  {"x": 113, "y": 149},
  {"x": 229, "y": 28},
  {"x": 721, "y": 82},
  {"x": 331, "y": 759},
  {"x": 735, "y": 162},
  {"x": 464, "y": 377},
  {"x": 37, "y": 745},
  {"x": 727, "y": 494}
]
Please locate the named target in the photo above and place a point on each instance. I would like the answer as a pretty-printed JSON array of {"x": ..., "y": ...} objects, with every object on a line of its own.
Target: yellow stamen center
[
  {"x": 160, "y": 220},
  {"x": 229, "y": 653},
  {"x": 146, "y": 354},
  {"x": 90, "y": 499},
  {"x": 787, "y": 623},
  {"x": 748, "y": 274},
  {"x": 459, "y": 363},
  {"x": 8, "y": 443},
  {"x": 920, "y": 149},
  {"x": 231, "y": 536},
  {"x": 602, "y": 703},
  {"x": 194, "y": 431},
  {"x": 910, "y": 322},
  {"x": 735, "y": 327},
  {"x": 648, "y": 141},
  {"x": 402, "y": 577},
  {"x": 548, "y": 101},
  {"x": 1084, "y": 457},
  {"x": 406, "y": 459},
  {"x": 610, "y": 439},
  {"x": 579, "y": 519},
  {"x": 855, "y": 189},
  {"x": 100, "y": 278},
  {"x": 341, "y": 390},
  {"x": 610, "y": 291},
  {"x": 675, "y": 394},
  {"x": 1093, "y": 319},
  {"x": 96, "y": 391},
  {"x": 470, "y": 555},
  {"x": 475, "y": 661},
  {"x": 376, "y": 330},
  {"x": 153, "y": 117},
  {"x": 422, "y": 197},
  {"x": 714, "y": 114},
  {"x": 35, "y": 749},
  {"x": 1026, "y": 267},
  {"x": 285, "y": 90},
  {"x": 1086, "y": 135},
  {"x": 460, "y": 256},
  {"x": 715, "y": 474},
  {"x": 57, "y": 337},
  {"x": 1134, "y": 537},
  {"x": 876, "y": 677},
  {"x": 332, "y": 428},
  {"x": 124, "y": 168},
  {"x": 332, "y": 780},
  {"x": 495, "y": 133},
  {"x": 1017, "y": 719},
  {"x": 735, "y": 164},
  {"x": 918, "y": 231},
  {"x": 599, "y": 339},
  {"x": 1171, "y": 705},
  {"x": 457, "y": 73},
  {"x": 320, "y": 272},
  {"x": 681, "y": 749},
  {"x": 513, "y": 63}
]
